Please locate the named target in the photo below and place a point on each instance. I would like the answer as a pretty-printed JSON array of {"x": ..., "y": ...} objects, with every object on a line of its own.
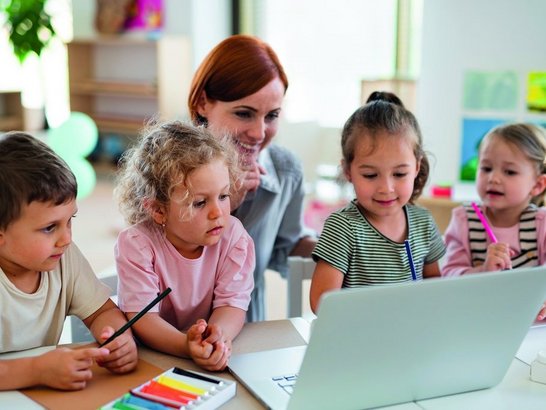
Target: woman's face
[{"x": 252, "y": 121}]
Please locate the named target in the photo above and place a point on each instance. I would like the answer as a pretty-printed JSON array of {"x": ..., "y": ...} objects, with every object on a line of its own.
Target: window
[{"x": 328, "y": 48}]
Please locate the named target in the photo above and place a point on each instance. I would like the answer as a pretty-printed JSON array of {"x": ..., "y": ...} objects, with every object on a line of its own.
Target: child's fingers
[
  {"x": 195, "y": 332},
  {"x": 107, "y": 331},
  {"x": 218, "y": 358},
  {"x": 123, "y": 362},
  {"x": 123, "y": 355},
  {"x": 213, "y": 334},
  {"x": 498, "y": 257},
  {"x": 542, "y": 313},
  {"x": 216, "y": 361},
  {"x": 85, "y": 357}
]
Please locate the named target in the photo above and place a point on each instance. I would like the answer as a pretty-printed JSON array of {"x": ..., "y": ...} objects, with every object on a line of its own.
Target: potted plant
[
  {"x": 30, "y": 31},
  {"x": 30, "y": 28}
]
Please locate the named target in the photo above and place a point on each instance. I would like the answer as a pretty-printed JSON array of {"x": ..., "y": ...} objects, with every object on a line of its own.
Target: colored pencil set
[{"x": 177, "y": 388}]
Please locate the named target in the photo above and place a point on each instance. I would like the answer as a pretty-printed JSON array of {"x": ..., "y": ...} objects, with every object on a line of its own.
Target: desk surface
[
  {"x": 254, "y": 337},
  {"x": 515, "y": 391}
]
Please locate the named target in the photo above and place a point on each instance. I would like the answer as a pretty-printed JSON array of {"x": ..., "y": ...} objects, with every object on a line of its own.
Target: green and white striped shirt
[{"x": 366, "y": 257}]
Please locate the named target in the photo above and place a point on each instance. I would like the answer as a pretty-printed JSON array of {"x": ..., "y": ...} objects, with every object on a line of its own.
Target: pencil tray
[{"x": 177, "y": 388}]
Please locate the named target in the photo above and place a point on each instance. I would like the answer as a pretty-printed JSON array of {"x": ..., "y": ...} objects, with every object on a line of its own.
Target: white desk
[{"x": 516, "y": 391}]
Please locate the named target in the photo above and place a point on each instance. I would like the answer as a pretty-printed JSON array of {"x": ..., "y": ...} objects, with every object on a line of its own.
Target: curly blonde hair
[{"x": 163, "y": 158}]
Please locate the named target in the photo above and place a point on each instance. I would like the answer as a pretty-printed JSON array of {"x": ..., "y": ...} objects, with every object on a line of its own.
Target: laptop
[{"x": 385, "y": 345}]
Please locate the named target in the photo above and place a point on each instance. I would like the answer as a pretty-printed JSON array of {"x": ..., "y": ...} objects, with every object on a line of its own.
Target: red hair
[{"x": 237, "y": 67}]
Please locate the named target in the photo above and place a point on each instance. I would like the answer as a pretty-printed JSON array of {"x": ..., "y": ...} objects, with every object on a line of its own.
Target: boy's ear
[{"x": 539, "y": 186}]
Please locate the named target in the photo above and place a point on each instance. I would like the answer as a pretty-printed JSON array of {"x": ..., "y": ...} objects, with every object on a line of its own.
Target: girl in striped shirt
[{"x": 364, "y": 243}]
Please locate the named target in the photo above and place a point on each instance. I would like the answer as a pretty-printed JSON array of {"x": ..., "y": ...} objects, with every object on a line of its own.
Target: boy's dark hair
[{"x": 31, "y": 171}]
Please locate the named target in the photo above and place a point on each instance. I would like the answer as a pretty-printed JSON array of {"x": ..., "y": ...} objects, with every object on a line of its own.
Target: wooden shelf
[
  {"x": 11, "y": 122},
  {"x": 404, "y": 88},
  {"x": 121, "y": 81},
  {"x": 121, "y": 125},
  {"x": 11, "y": 111},
  {"x": 92, "y": 87}
]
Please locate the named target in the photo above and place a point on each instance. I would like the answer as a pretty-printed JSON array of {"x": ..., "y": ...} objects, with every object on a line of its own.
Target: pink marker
[{"x": 486, "y": 226}]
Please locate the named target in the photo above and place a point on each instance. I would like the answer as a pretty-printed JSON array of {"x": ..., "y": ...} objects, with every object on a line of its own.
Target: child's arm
[
  {"x": 224, "y": 325},
  {"x": 458, "y": 259},
  {"x": 160, "y": 335},
  {"x": 431, "y": 270},
  {"x": 61, "y": 368},
  {"x": 228, "y": 318},
  {"x": 103, "y": 323},
  {"x": 325, "y": 278}
]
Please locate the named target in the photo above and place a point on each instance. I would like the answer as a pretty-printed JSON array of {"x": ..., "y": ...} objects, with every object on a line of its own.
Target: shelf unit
[
  {"x": 404, "y": 88},
  {"x": 122, "y": 81},
  {"x": 11, "y": 111}
]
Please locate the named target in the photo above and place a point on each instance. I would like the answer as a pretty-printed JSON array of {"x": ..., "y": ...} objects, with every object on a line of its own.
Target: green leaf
[{"x": 30, "y": 28}]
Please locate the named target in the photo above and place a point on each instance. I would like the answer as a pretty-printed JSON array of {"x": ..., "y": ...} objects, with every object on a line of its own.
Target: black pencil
[{"x": 137, "y": 316}]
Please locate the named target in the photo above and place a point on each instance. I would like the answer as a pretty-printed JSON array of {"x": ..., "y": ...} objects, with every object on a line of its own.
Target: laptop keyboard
[{"x": 286, "y": 382}]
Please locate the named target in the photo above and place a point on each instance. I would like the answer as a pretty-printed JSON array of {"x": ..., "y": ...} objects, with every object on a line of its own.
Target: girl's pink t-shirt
[{"x": 147, "y": 263}]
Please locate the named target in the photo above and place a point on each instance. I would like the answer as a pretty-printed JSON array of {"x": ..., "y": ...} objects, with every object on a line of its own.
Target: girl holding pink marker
[{"x": 507, "y": 230}]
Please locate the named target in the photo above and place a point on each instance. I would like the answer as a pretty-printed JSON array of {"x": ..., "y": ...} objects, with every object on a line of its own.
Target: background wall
[
  {"x": 472, "y": 35},
  {"x": 456, "y": 37}
]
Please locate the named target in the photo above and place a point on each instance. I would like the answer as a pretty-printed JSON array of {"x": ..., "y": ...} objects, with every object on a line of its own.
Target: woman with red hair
[{"x": 238, "y": 90}]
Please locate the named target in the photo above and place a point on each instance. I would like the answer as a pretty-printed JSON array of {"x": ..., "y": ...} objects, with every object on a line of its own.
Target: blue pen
[{"x": 410, "y": 260}]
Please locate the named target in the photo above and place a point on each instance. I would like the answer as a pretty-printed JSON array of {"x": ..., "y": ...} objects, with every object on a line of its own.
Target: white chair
[
  {"x": 298, "y": 269},
  {"x": 78, "y": 330}
]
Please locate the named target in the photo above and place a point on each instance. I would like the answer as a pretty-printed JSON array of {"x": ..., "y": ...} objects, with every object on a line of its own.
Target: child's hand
[
  {"x": 209, "y": 356},
  {"x": 67, "y": 369},
  {"x": 498, "y": 257},
  {"x": 215, "y": 335},
  {"x": 123, "y": 356},
  {"x": 542, "y": 313}
]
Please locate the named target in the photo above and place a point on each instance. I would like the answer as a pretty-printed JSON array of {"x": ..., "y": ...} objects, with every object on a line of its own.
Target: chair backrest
[
  {"x": 299, "y": 269},
  {"x": 440, "y": 208}
]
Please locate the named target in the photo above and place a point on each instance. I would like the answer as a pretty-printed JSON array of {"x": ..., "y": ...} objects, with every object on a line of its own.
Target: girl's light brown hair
[{"x": 237, "y": 67}]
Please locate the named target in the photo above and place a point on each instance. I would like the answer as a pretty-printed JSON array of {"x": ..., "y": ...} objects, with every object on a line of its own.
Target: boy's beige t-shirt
[{"x": 33, "y": 320}]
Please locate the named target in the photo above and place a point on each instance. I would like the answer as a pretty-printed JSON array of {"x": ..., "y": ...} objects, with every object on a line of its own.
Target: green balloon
[
  {"x": 76, "y": 137},
  {"x": 85, "y": 175}
]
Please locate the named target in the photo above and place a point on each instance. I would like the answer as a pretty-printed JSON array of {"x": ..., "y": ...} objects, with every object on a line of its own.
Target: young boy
[{"x": 44, "y": 277}]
